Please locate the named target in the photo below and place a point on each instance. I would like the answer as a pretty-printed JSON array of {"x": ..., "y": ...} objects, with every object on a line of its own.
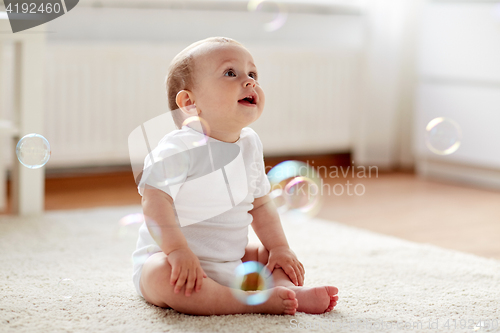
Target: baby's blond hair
[{"x": 180, "y": 74}]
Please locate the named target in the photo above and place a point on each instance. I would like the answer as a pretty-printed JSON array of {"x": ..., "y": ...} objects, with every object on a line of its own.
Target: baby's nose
[{"x": 250, "y": 82}]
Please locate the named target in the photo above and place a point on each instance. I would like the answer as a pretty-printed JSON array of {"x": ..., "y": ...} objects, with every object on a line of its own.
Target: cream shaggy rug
[{"x": 385, "y": 284}]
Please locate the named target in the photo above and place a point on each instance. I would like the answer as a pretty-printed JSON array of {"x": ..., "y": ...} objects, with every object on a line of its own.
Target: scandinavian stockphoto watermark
[
  {"x": 349, "y": 179},
  {"x": 27, "y": 14}
]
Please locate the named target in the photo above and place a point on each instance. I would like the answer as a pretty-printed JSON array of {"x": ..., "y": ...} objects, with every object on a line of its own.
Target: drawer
[{"x": 475, "y": 109}]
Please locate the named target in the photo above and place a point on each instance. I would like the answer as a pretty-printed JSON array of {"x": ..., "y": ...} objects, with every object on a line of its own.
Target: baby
[{"x": 190, "y": 266}]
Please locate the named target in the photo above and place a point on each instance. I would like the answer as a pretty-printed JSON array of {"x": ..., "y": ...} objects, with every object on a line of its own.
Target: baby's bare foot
[
  {"x": 316, "y": 300},
  {"x": 281, "y": 301}
]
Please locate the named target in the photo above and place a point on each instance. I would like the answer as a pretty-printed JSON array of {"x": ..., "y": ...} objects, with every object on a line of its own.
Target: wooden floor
[
  {"x": 402, "y": 205},
  {"x": 397, "y": 204}
]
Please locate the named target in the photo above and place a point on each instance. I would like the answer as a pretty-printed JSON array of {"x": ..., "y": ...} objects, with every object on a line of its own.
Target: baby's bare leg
[
  {"x": 212, "y": 299},
  {"x": 311, "y": 299}
]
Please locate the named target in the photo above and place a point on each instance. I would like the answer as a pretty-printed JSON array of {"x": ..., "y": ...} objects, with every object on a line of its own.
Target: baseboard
[{"x": 459, "y": 173}]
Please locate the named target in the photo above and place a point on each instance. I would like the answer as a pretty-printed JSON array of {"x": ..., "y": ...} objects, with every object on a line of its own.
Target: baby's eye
[
  {"x": 253, "y": 75},
  {"x": 230, "y": 72}
]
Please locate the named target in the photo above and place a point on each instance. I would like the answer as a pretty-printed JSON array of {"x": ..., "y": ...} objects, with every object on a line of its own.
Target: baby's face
[{"x": 226, "y": 90}]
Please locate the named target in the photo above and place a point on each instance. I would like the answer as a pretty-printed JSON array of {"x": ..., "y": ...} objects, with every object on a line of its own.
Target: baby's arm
[
  {"x": 186, "y": 270},
  {"x": 267, "y": 226}
]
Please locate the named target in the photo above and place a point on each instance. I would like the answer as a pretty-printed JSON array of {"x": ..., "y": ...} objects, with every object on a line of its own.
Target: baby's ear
[{"x": 185, "y": 103}]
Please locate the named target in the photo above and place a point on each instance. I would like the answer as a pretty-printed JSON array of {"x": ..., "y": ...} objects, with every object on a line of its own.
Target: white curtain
[{"x": 383, "y": 125}]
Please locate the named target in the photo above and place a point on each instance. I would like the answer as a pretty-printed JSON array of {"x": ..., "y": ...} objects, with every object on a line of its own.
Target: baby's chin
[{"x": 253, "y": 111}]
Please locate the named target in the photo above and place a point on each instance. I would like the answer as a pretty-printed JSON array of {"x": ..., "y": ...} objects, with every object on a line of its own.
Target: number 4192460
[{"x": 33, "y": 8}]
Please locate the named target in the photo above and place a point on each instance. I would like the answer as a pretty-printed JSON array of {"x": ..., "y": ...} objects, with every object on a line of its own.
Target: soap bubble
[
  {"x": 252, "y": 276},
  {"x": 295, "y": 188},
  {"x": 129, "y": 225},
  {"x": 301, "y": 193},
  {"x": 443, "y": 136},
  {"x": 132, "y": 219},
  {"x": 33, "y": 151},
  {"x": 66, "y": 288},
  {"x": 272, "y": 14},
  {"x": 201, "y": 126}
]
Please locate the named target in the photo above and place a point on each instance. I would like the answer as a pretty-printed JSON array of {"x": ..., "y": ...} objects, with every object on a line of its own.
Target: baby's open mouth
[{"x": 249, "y": 100}]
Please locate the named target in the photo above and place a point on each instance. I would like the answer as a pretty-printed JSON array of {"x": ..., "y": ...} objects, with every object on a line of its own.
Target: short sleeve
[
  {"x": 262, "y": 185},
  {"x": 165, "y": 168}
]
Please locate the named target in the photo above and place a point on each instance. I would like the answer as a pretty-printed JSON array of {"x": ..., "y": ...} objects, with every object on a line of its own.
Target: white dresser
[
  {"x": 27, "y": 184},
  {"x": 459, "y": 78}
]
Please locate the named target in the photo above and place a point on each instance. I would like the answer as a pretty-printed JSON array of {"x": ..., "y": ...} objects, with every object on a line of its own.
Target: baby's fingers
[
  {"x": 181, "y": 280},
  {"x": 300, "y": 275},
  {"x": 191, "y": 279},
  {"x": 199, "y": 279},
  {"x": 291, "y": 274},
  {"x": 176, "y": 270},
  {"x": 270, "y": 267}
]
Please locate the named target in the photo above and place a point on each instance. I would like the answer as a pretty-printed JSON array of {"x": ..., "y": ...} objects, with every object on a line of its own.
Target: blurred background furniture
[
  {"x": 26, "y": 90},
  {"x": 459, "y": 78}
]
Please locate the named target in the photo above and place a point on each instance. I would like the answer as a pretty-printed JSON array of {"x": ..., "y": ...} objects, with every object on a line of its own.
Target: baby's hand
[
  {"x": 186, "y": 270},
  {"x": 283, "y": 257}
]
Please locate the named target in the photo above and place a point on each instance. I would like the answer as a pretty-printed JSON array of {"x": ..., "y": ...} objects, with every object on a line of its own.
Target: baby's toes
[
  {"x": 291, "y": 303},
  {"x": 290, "y": 306},
  {"x": 333, "y": 303},
  {"x": 330, "y": 308},
  {"x": 331, "y": 290}
]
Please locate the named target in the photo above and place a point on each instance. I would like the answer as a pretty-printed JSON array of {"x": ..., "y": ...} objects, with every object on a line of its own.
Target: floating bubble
[
  {"x": 295, "y": 188},
  {"x": 129, "y": 225},
  {"x": 201, "y": 126},
  {"x": 301, "y": 193},
  {"x": 66, "y": 288},
  {"x": 252, "y": 276},
  {"x": 272, "y": 14},
  {"x": 131, "y": 219},
  {"x": 33, "y": 151},
  {"x": 443, "y": 136}
]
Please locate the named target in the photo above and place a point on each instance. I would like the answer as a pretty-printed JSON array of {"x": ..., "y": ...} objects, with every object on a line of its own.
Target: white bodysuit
[{"x": 212, "y": 199}]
